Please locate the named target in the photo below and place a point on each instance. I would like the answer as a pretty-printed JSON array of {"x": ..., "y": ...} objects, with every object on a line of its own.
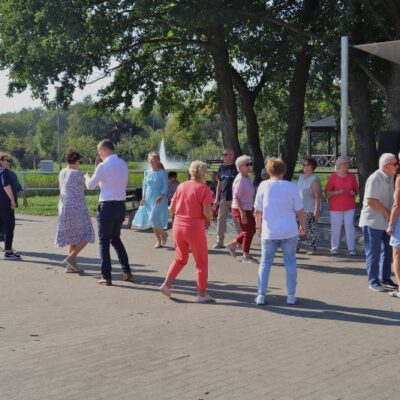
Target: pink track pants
[{"x": 193, "y": 238}]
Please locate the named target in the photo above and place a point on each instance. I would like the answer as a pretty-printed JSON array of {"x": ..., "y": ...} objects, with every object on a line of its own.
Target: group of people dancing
[{"x": 281, "y": 212}]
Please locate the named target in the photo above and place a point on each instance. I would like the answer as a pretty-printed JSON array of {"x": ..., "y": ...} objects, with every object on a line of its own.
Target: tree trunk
[
  {"x": 247, "y": 99},
  {"x": 297, "y": 91},
  {"x": 360, "y": 104},
  {"x": 362, "y": 124},
  {"x": 393, "y": 98},
  {"x": 227, "y": 102}
]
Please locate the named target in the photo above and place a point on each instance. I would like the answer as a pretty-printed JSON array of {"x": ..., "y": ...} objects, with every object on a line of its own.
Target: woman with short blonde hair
[
  {"x": 198, "y": 170},
  {"x": 191, "y": 207}
]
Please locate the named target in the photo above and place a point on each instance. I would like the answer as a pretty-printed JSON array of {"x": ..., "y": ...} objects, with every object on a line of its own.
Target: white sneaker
[
  {"x": 376, "y": 288},
  {"x": 260, "y": 299},
  {"x": 291, "y": 299},
  {"x": 352, "y": 253},
  {"x": 249, "y": 260},
  {"x": 334, "y": 252},
  {"x": 204, "y": 299}
]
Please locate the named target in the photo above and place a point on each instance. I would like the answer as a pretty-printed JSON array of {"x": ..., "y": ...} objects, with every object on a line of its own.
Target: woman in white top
[
  {"x": 277, "y": 204},
  {"x": 310, "y": 192}
]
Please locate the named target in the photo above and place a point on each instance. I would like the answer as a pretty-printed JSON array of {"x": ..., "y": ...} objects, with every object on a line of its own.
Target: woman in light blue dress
[{"x": 153, "y": 210}]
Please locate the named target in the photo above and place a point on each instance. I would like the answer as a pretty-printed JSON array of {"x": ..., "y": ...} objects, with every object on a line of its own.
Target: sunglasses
[
  {"x": 6, "y": 159},
  {"x": 246, "y": 165},
  {"x": 394, "y": 164}
]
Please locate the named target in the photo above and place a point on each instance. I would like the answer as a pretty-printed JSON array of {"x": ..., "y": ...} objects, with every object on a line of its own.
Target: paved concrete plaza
[{"x": 63, "y": 337}]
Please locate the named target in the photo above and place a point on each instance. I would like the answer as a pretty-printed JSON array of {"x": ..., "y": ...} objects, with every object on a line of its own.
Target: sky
[{"x": 24, "y": 100}]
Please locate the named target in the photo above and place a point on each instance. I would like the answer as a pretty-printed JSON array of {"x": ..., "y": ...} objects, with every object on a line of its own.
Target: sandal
[
  {"x": 232, "y": 249},
  {"x": 165, "y": 290},
  {"x": 105, "y": 282},
  {"x": 71, "y": 269}
]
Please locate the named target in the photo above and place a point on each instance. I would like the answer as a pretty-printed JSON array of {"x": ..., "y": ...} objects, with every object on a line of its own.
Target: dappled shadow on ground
[
  {"x": 89, "y": 264},
  {"x": 243, "y": 296},
  {"x": 233, "y": 295}
]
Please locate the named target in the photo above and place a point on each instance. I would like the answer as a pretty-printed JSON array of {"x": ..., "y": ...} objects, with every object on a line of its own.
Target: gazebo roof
[
  {"x": 327, "y": 124},
  {"x": 324, "y": 123}
]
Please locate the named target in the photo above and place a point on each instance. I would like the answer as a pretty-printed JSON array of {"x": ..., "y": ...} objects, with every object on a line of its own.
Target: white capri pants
[{"x": 337, "y": 220}]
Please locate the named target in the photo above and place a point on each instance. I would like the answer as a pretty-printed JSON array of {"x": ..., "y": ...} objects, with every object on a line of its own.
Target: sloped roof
[
  {"x": 327, "y": 122},
  {"x": 387, "y": 50}
]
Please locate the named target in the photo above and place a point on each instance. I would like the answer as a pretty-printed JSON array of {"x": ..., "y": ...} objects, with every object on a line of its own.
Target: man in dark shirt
[
  {"x": 223, "y": 198},
  {"x": 7, "y": 206}
]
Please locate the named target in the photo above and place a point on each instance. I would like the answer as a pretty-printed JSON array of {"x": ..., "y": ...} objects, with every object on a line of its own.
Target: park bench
[
  {"x": 213, "y": 163},
  {"x": 132, "y": 202}
]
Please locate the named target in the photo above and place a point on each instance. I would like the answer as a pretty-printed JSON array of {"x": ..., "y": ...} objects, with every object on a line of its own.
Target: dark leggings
[{"x": 7, "y": 221}]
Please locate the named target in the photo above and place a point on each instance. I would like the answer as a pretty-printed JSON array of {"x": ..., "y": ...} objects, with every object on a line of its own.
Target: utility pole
[
  {"x": 344, "y": 95},
  {"x": 58, "y": 139}
]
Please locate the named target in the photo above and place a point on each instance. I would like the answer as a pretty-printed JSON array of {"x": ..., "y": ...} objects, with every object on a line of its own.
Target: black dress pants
[{"x": 7, "y": 221}]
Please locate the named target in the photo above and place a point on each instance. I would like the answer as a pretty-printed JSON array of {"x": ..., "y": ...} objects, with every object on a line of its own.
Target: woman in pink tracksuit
[{"x": 191, "y": 206}]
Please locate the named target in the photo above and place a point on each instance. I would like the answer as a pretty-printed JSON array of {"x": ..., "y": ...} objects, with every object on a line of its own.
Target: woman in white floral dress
[{"x": 74, "y": 227}]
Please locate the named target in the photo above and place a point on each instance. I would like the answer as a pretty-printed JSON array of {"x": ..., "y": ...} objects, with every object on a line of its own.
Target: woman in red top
[
  {"x": 341, "y": 190},
  {"x": 191, "y": 206}
]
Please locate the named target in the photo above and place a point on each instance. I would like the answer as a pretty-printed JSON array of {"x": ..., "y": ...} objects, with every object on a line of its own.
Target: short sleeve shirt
[
  {"x": 188, "y": 201},
  {"x": 5, "y": 180},
  {"x": 279, "y": 201},
  {"x": 243, "y": 190},
  {"x": 226, "y": 175},
  {"x": 344, "y": 201},
  {"x": 379, "y": 186}
]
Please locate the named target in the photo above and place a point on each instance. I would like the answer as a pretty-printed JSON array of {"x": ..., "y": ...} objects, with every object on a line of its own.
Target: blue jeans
[
  {"x": 378, "y": 253},
  {"x": 110, "y": 216},
  {"x": 268, "y": 250}
]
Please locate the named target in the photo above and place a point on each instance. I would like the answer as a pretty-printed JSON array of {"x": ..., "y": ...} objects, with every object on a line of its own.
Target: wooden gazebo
[
  {"x": 328, "y": 127},
  {"x": 325, "y": 125}
]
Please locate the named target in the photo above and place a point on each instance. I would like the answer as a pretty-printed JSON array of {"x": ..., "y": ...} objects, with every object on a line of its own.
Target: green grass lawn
[{"x": 48, "y": 205}]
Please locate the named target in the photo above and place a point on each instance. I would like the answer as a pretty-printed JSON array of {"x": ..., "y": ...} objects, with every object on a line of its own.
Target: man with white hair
[{"x": 374, "y": 219}]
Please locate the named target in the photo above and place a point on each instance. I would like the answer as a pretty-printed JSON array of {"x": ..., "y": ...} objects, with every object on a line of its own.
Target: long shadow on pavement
[{"x": 232, "y": 295}]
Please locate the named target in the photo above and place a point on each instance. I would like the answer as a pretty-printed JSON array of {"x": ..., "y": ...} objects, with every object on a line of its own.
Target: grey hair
[
  {"x": 198, "y": 169},
  {"x": 242, "y": 160},
  {"x": 384, "y": 159},
  {"x": 340, "y": 159}
]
